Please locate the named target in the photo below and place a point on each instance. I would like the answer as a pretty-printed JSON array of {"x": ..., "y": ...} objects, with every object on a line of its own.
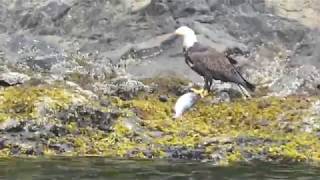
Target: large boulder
[{"x": 129, "y": 37}]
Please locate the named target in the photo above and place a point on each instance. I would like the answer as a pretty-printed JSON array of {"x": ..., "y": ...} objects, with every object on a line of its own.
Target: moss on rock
[
  {"x": 166, "y": 84},
  {"x": 21, "y": 102},
  {"x": 260, "y": 128},
  {"x": 59, "y": 120},
  {"x": 265, "y": 128}
]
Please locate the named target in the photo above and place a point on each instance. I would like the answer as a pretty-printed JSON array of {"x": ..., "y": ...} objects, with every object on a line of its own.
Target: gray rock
[
  {"x": 13, "y": 78},
  {"x": 311, "y": 122},
  {"x": 61, "y": 148},
  {"x": 123, "y": 87},
  {"x": 163, "y": 98},
  {"x": 12, "y": 126},
  {"x": 183, "y": 8},
  {"x": 222, "y": 96},
  {"x": 38, "y": 37},
  {"x": 299, "y": 80},
  {"x": 218, "y": 35},
  {"x": 134, "y": 125}
]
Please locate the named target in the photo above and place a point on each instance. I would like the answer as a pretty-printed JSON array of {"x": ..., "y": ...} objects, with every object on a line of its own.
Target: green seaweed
[
  {"x": 269, "y": 127},
  {"x": 234, "y": 120},
  {"x": 255, "y": 118},
  {"x": 166, "y": 84},
  {"x": 21, "y": 102}
]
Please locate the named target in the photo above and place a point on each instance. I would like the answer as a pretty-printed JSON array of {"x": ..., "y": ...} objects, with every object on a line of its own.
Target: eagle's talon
[
  {"x": 205, "y": 93},
  {"x": 197, "y": 91}
]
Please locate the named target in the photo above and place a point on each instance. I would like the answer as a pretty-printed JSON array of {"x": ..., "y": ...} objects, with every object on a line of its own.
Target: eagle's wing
[
  {"x": 232, "y": 60},
  {"x": 215, "y": 65}
]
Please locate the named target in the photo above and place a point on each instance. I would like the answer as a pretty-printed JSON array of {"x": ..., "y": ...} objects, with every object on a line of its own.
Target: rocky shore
[{"x": 100, "y": 78}]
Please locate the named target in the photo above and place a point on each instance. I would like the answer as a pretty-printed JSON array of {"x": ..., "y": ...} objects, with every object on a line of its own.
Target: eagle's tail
[
  {"x": 249, "y": 85},
  {"x": 246, "y": 84}
]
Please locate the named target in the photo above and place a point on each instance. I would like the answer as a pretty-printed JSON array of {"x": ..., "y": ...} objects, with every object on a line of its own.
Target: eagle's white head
[{"x": 189, "y": 37}]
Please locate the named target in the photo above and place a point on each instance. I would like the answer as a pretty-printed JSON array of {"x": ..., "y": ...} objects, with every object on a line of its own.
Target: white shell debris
[{"x": 184, "y": 103}]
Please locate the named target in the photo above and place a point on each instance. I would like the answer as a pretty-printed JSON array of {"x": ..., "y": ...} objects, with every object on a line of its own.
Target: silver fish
[{"x": 184, "y": 103}]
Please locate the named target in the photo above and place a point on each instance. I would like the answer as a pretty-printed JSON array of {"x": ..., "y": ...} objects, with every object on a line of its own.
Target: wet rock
[
  {"x": 184, "y": 153},
  {"x": 156, "y": 134},
  {"x": 36, "y": 151},
  {"x": 302, "y": 11},
  {"x": 13, "y": 78},
  {"x": 123, "y": 87},
  {"x": 218, "y": 35},
  {"x": 48, "y": 119},
  {"x": 41, "y": 63},
  {"x": 12, "y": 126},
  {"x": 299, "y": 80},
  {"x": 217, "y": 157},
  {"x": 318, "y": 134},
  {"x": 134, "y": 53},
  {"x": 144, "y": 37},
  {"x": 56, "y": 10},
  {"x": 311, "y": 121},
  {"x": 152, "y": 47},
  {"x": 34, "y": 52},
  {"x": 163, "y": 98},
  {"x": 61, "y": 148},
  {"x": 2, "y": 144},
  {"x": 287, "y": 126},
  {"x": 184, "y": 8},
  {"x": 15, "y": 150},
  {"x": 217, "y": 140},
  {"x": 58, "y": 130},
  {"x": 82, "y": 91},
  {"x": 134, "y": 125},
  {"x": 105, "y": 102},
  {"x": 33, "y": 128},
  {"x": 88, "y": 117},
  {"x": 222, "y": 96},
  {"x": 262, "y": 123},
  {"x": 138, "y": 5}
]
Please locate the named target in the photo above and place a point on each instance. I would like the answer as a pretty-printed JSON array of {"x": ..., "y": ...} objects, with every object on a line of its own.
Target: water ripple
[{"x": 99, "y": 168}]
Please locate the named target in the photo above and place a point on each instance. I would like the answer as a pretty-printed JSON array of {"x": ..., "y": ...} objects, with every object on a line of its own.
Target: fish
[{"x": 184, "y": 103}]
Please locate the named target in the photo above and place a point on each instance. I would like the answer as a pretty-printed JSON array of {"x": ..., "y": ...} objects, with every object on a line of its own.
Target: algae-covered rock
[
  {"x": 12, "y": 78},
  {"x": 224, "y": 132},
  {"x": 124, "y": 88},
  {"x": 51, "y": 119},
  {"x": 38, "y": 115}
]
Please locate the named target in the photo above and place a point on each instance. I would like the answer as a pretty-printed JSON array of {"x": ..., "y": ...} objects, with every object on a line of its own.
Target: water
[{"x": 99, "y": 168}]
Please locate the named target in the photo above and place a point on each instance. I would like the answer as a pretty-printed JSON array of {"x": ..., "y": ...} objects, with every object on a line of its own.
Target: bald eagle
[{"x": 209, "y": 63}]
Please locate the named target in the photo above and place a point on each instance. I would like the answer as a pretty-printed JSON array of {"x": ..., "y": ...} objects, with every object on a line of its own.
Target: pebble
[{"x": 163, "y": 98}]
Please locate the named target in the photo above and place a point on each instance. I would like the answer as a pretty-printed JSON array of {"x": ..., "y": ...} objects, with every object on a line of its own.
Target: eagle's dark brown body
[{"x": 212, "y": 64}]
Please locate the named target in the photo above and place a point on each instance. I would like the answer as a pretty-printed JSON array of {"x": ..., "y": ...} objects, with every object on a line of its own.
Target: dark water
[{"x": 98, "y": 168}]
